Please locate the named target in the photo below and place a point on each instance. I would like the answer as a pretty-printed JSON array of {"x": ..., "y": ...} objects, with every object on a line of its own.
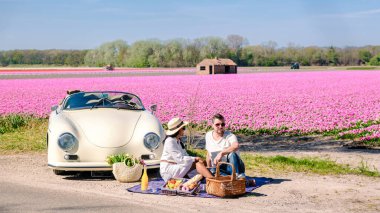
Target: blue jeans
[{"x": 235, "y": 160}]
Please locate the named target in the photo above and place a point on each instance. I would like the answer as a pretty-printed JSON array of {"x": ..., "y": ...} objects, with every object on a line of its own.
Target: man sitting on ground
[{"x": 222, "y": 145}]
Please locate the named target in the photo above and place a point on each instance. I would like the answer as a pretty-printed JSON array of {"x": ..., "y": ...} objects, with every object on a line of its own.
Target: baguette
[{"x": 195, "y": 179}]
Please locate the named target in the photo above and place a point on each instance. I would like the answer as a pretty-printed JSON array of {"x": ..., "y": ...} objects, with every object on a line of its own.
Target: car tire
[
  {"x": 62, "y": 172},
  {"x": 58, "y": 172}
]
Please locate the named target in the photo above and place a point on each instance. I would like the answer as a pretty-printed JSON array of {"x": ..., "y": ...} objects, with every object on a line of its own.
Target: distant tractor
[
  {"x": 295, "y": 66},
  {"x": 109, "y": 67}
]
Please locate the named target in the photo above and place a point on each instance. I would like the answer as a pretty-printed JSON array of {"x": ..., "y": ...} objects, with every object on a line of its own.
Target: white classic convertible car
[{"x": 86, "y": 127}]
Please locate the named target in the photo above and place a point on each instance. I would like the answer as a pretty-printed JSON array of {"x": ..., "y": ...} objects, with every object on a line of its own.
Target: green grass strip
[
  {"x": 361, "y": 68},
  {"x": 24, "y": 137},
  {"x": 292, "y": 164},
  {"x": 12, "y": 122}
]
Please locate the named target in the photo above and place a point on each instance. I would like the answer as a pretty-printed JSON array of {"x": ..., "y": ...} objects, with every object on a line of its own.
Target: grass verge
[
  {"x": 265, "y": 164},
  {"x": 10, "y": 123},
  {"x": 361, "y": 68},
  {"x": 28, "y": 134}
]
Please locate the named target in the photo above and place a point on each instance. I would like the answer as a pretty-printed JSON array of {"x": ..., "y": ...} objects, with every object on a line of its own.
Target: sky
[{"x": 86, "y": 24}]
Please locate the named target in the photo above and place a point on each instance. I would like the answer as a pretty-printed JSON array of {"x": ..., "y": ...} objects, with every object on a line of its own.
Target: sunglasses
[{"x": 220, "y": 124}]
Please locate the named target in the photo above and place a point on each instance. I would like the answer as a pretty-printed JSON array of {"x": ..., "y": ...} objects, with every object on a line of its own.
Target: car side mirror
[
  {"x": 55, "y": 107},
  {"x": 153, "y": 108}
]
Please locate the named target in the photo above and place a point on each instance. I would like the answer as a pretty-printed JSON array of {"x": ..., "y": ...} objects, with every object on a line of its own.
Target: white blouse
[{"x": 173, "y": 152}]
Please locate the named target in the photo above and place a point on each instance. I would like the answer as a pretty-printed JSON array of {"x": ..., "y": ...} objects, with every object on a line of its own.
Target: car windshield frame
[{"x": 102, "y": 99}]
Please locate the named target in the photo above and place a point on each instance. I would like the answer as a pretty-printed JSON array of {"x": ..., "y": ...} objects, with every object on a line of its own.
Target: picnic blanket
[{"x": 156, "y": 184}]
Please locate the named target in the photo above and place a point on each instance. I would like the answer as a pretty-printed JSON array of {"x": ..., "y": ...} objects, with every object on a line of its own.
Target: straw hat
[{"x": 174, "y": 125}]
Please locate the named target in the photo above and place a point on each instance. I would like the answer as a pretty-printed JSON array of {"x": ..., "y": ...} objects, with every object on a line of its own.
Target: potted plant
[{"x": 125, "y": 167}]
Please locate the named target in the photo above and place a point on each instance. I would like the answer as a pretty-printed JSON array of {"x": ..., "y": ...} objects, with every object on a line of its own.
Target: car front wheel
[{"x": 62, "y": 172}]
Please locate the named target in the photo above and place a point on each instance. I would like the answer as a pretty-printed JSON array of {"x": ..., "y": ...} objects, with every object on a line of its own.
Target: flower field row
[
  {"x": 361, "y": 131},
  {"x": 370, "y": 133},
  {"x": 288, "y": 102},
  {"x": 375, "y": 136}
]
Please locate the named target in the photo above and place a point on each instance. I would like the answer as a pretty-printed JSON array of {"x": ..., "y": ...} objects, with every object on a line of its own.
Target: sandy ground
[{"x": 289, "y": 192}]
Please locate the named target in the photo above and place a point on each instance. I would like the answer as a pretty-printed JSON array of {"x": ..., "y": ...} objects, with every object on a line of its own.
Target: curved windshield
[{"x": 91, "y": 100}]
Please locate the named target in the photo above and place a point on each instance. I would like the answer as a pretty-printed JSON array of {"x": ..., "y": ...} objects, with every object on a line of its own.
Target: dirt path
[{"x": 294, "y": 192}]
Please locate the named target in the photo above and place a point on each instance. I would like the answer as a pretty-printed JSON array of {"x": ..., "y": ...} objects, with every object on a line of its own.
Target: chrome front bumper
[{"x": 93, "y": 166}]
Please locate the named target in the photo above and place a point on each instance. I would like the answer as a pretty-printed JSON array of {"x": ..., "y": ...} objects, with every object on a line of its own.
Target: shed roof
[{"x": 218, "y": 61}]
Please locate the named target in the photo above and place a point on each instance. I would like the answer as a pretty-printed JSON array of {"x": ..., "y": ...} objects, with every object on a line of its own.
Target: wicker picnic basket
[
  {"x": 127, "y": 174},
  {"x": 225, "y": 186}
]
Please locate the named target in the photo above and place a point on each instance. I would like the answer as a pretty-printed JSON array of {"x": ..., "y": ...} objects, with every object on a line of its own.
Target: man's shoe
[{"x": 250, "y": 183}]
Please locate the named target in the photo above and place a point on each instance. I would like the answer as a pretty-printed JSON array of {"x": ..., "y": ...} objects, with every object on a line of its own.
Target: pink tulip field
[
  {"x": 298, "y": 102},
  {"x": 90, "y": 71}
]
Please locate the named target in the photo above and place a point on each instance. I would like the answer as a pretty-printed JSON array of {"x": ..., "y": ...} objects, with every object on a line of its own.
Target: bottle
[{"x": 144, "y": 180}]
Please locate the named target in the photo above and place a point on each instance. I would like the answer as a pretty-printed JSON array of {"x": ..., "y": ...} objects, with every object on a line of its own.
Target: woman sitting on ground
[{"x": 175, "y": 162}]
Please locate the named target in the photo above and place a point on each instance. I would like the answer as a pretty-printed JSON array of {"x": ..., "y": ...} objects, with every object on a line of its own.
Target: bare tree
[{"x": 236, "y": 42}]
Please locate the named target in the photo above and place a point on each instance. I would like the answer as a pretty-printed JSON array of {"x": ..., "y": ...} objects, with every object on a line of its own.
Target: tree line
[
  {"x": 187, "y": 53},
  {"x": 43, "y": 57}
]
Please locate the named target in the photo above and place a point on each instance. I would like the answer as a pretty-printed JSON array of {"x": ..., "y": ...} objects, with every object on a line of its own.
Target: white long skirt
[{"x": 168, "y": 170}]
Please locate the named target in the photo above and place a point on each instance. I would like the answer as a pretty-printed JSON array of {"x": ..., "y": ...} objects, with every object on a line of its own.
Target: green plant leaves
[{"x": 129, "y": 160}]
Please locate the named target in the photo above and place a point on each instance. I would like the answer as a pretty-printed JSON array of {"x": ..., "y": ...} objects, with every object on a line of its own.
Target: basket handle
[
  {"x": 217, "y": 174},
  {"x": 133, "y": 162}
]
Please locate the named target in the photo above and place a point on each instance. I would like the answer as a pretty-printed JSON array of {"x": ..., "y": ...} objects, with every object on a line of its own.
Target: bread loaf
[
  {"x": 195, "y": 179},
  {"x": 193, "y": 185}
]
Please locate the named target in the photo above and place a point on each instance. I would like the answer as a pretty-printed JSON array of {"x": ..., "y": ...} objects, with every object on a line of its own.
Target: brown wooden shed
[{"x": 216, "y": 66}]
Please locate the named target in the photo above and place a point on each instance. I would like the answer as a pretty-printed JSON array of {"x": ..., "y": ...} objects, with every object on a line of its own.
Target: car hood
[{"x": 108, "y": 128}]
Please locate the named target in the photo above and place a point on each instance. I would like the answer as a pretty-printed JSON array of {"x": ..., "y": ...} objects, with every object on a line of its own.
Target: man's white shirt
[{"x": 213, "y": 146}]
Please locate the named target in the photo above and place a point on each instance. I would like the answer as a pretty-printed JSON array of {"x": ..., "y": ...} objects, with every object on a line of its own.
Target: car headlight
[
  {"x": 151, "y": 141},
  {"x": 67, "y": 141}
]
